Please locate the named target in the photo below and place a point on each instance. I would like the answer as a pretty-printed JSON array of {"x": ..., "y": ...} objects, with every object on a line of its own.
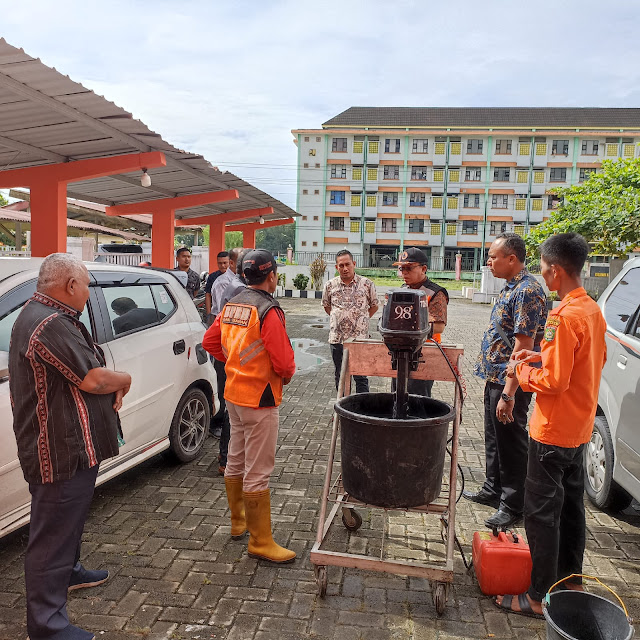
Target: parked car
[
  {"x": 612, "y": 457},
  {"x": 173, "y": 390}
]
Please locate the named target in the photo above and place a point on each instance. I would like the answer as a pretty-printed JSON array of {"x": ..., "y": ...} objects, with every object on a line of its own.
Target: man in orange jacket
[
  {"x": 566, "y": 386},
  {"x": 250, "y": 336}
]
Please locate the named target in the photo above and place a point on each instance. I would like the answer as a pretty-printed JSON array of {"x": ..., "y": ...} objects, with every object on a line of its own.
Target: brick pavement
[{"x": 163, "y": 531}]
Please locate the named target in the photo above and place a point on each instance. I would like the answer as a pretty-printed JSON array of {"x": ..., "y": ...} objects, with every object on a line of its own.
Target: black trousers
[
  {"x": 554, "y": 514},
  {"x": 58, "y": 513},
  {"x": 362, "y": 382},
  {"x": 416, "y": 387},
  {"x": 505, "y": 447},
  {"x": 221, "y": 419}
]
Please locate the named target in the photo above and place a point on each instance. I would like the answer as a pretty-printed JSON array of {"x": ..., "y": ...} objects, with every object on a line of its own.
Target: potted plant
[
  {"x": 300, "y": 282},
  {"x": 317, "y": 269}
]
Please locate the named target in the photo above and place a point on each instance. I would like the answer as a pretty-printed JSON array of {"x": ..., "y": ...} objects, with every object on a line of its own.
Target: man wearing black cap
[
  {"x": 412, "y": 265},
  {"x": 250, "y": 336}
]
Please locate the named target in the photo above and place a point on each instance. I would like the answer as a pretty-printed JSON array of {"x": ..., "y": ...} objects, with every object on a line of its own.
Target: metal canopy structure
[{"x": 47, "y": 118}]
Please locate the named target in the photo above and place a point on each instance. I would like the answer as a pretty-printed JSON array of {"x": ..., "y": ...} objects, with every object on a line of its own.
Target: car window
[
  {"x": 623, "y": 301},
  {"x": 132, "y": 308},
  {"x": 164, "y": 302}
]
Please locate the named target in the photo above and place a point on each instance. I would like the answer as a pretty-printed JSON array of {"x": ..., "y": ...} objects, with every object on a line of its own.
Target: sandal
[{"x": 523, "y": 602}]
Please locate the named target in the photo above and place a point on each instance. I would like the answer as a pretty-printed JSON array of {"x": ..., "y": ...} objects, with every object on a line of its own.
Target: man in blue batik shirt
[{"x": 519, "y": 313}]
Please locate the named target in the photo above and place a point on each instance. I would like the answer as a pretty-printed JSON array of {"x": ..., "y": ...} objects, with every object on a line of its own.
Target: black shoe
[
  {"x": 82, "y": 578},
  {"x": 482, "y": 497},
  {"x": 502, "y": 519}
]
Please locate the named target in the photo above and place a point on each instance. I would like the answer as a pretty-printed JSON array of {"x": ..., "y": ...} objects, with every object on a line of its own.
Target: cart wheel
[
  {"x": 321, "y": 580},
  {"x": 351, "y": 519},
  {"x": 440, "y": 597}
]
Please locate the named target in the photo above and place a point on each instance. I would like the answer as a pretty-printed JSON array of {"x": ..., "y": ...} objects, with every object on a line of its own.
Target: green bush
[{"x": 301, "y": 281}]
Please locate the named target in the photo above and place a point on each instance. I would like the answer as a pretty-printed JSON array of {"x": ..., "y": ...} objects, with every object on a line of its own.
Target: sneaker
[
  {"x": 71, "y": 632},
  {"x": 217, "y": 432},
  {"x": 82, "y": 578}
]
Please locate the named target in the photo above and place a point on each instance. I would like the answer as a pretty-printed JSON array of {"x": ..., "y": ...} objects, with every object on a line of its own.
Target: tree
[
  {"x": 605, "y": 209},
  {"x": 232, "y": 239},
  {"x": 276, "y": 239}
]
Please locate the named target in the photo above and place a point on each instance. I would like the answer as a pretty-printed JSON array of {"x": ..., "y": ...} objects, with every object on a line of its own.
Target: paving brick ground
[{"x": 163, "y": 532}]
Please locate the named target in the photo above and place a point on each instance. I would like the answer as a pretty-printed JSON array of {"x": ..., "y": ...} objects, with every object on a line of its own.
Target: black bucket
[
  {"x": 578, "y": 615},
  {"x": 392, "y": 463}
]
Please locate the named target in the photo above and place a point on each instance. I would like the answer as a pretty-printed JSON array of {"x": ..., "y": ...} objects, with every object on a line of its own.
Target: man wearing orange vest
[
  {"x": 566, "y": 386},
  {"x": 250, "y": 336},
  {"x": 412, "y": 265}
]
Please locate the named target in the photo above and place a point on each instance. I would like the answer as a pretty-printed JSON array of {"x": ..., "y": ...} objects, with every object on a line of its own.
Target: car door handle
[
  {"x": 179, "y": 347},
  {"x": 622, "y": 362}
]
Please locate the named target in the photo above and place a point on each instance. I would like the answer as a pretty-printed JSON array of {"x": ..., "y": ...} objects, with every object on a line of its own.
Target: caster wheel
[
  {"x": 321, "y": 580},
  {"x": 440, "y": 597},
  {"x": 351, "y": 519}
]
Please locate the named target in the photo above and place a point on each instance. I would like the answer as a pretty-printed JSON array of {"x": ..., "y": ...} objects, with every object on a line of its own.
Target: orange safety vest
[{"x": 251, "y": 380}]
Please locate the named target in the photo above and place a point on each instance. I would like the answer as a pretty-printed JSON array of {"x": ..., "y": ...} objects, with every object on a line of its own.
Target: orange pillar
[
  {"x": 216, "y": 243},
  {"x": 162, "y": 238},
  {"x": 249, "y": 236},
  {"x": 48, "y": 204}
]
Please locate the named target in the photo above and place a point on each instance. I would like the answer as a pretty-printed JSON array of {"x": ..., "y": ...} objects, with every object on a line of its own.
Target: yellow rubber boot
[
  {"x": 261, "y": 544},
  {"x": 236, "y": 504}
]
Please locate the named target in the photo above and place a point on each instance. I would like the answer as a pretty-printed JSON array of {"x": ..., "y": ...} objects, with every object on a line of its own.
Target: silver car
[{"x": 612, "y": 457}]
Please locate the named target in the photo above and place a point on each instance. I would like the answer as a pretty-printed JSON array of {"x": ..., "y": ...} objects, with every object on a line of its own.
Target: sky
[{"x": 231, "y": 79}]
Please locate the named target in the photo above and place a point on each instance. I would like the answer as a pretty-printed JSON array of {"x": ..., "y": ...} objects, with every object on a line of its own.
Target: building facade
[{"x": 376, "y": 180}]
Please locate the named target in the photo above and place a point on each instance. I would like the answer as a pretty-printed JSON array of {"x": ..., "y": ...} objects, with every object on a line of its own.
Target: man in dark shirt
[
  {"x": 65, "y": 420},
  {"x": 183, "y": 258},
  {"x": 223, "y": 265},
  {"x": 131, "y": 317}
]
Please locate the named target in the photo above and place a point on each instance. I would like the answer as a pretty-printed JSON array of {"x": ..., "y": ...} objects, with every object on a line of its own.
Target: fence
[
  {"x": 307, "y": 257},
  {"x": 126, "y": 259}
]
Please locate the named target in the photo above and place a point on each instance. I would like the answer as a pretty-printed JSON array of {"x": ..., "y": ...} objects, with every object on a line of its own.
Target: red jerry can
[{"x": 502, "y": 563}]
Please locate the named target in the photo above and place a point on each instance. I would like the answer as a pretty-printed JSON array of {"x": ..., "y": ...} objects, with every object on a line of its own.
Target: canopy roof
[{"x": 46, "y": 118}]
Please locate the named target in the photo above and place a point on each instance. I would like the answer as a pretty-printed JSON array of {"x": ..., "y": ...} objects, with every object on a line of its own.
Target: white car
[{"x": 173, "y": 389}]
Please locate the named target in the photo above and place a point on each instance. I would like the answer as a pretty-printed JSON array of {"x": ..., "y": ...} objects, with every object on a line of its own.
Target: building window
[
  {"x": 454, "y": 175},
  {"x": 306, "y": 138},
  {"x": 518, "y": 229},
  {"x": 469, "y": 227},
  {"x": 339, "y": 145},
  {"x": 304, "y": 243},
  {"x": 538, "y": 176},
  {"x": 475, "y": 145},
  {"x": 541, "y": 148},
  {"x": 471, "y": 201},
  {"x": 316, "y": 192},
  {"x": 318, "y": 138},
  {"x": 436, "y": 202},
  {"x": 499, "y": 201},
  {"x": 420, "y": 173},
  {"x": 612, "y": 149},
  {"x": 589, "y": 147},
  {"x": 501, "y": 174},
  {"x": 372, "y": 173},
  {"x": 503, "y": 146},
  {"x": 336, "y": 224},
  {"x": 389, "y": 199},
  {"x": 438, "y": 175},
  {"x": 315, "y": 244},
  {"x": 356, "y": 173},
  {"x": 337, "y": 197},
  {"x": 585, "y": 173},
  {"x": 553, "y": 202},
  {"x": 356, "y": 199},
  {"x": 536, "y": 204},
  {"x": 420, "y": 146},
  {"x": 372, "y": 200},
  {"x": 338, "y": 171},
  {"x": 317, "y": 165},
  {"x": 416, "y": 226},
  {"x": 524, "y": 148},
  {"x": 560, "y": 148},
  {"x": 441, "y": 148},
  {"x": 521, "y": 204},
  {"x": 436, "y": 228},
  {"x": 389, "y": 225},
  {"x": 369, "y": 226},
  {"x": 456, "y": 148},
  {"x": 316, "y": 218},
  {"x": 374, "y": 146},
  {"x": 628, "y": 150},
  {"x": 391, "y": 172},
  {"x": 417, "y": 199},
  {"x": 522, "y": 177},
  {"x": 304, "y": 218},
  {"x": 306, "y": 165},
  {"x": 473, "y": 174},
  {"x": 392, "y": 145},
  {"x": 452, "y": 202},
  {"x": 354, "y": 226},
  {"x": 558, "y": 174},
  {"x": 498, "y": 228},
  {"x": 452, "y": 228},
  {"x": 358, "y": 146}
]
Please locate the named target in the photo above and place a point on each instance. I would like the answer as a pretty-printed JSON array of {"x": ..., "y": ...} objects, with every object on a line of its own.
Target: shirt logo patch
[
  {"x": 553, "y": 321},
  {"x": 550, "y": 333},
  {"x": 236, "y": 314}
]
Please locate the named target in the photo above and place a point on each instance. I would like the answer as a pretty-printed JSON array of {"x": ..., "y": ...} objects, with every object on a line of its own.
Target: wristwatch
[{"x": 507, "y": 398}]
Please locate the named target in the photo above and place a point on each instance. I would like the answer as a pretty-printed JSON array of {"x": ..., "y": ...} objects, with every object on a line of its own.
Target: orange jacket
[{"x": 573, "y": 354}]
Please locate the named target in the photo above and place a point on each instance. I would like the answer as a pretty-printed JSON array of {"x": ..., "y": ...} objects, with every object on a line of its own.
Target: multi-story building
[{"x": 376, "y": 180}]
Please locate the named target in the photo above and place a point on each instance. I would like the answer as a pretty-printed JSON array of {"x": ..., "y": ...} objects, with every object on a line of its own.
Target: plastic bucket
[
  {"x": 578, "y": 615},
  {"x": 392, "y": 463}
]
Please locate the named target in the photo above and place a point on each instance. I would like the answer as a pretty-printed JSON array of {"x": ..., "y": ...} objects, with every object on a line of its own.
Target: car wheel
[
  {"x": 189, "y": 425},
  {"x": 598, "y": 470}
]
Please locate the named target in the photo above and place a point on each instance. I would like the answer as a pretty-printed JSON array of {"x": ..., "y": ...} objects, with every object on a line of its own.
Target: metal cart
[{"x": 370, "y": 358}]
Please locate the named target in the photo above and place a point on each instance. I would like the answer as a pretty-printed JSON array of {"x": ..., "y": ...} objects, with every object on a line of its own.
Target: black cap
[
  {"x": 258, "y": 262},
  {"x": 412, "y": 255}
]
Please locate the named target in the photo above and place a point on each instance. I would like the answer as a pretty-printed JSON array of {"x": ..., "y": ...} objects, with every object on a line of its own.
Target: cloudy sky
[{"x": 230, "y": 79}]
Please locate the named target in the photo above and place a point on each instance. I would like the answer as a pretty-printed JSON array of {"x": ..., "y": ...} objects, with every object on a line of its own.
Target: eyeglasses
[{"x": 408, "y": 267}]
